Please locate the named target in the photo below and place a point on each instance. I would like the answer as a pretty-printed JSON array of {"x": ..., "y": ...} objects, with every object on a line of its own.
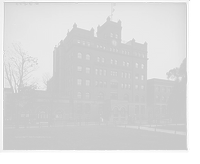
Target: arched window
[
  {"x": 87, "y": 95},
  {"x": 87, "y": 57},
  {"x": 126, "y": 97},
  {"x": 136, "y": 65},
  {"x": 59, "y": 114},
  {"x": 25, "y": 114},
  {"x": 98, "y": 59},
  {"x": 115, "y": 111},
  {"x": 157, "y": 98},
  {"x": 79, "y": 55},
  {"x": 163, "y": 99},
  {"x": 101, "y": 95},
  {"x": 137, "y": 98},
  {"x": 142, "y": 99},
  {"x": 123, "y": 111},
  {"x": 79, "y": 95}
]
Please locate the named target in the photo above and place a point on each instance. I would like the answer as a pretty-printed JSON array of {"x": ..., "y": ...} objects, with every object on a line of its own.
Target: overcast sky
[{"x": 40, "y": 27}]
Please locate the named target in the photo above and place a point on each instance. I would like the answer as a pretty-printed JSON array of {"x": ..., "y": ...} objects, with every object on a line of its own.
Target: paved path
[{"x": 154, "y": 129}]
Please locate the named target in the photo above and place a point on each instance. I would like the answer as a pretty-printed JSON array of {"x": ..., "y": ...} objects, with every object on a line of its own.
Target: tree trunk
[{"x": 16, "y": 117}]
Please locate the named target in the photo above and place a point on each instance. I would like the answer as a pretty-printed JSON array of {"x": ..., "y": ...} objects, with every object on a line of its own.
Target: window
[
  {"x": 116, "y": 36},
  {"x": 102, "y": 60},
  {"x": 113, "y": 73},
  {"x": 79, "y": 108},
  {"x": 115, "y": 111},
  {"x": 124, "y": 63},
  {"x": 129, "y": 75},
  {"x": 98, "y": 59},
  {"x": 83, "y": 43},
  {"x": 79, "y": 81},
  {"x": 163, "y": 109},
  {"x": 122, "y": 74},
  {"x": 101, "y": 107},
  {"x": 125, "y": 75},
  {"x": 157, "y": 98},
  {"x": 142, "y": 66},
  {"x": 87, "y": 95},
  {"x": 100, "y": 72},
  {"x": 129, "y": 86},
  {"x": 59, "y": 114},
  {"x": 122, "y": 85},
  {"x": 142, "y": 109},
  {"x": 136, "y": 77},
  {"x": 163, "y": 99},
  {"x": 78, "y": 41},
  {"x": 142, "y": 77},
  {"x": 136, "y": 98},
  {"x": 136, "y": 65},
  {"x": 101, "y": 84},
  {"x": 8, "y": 98},
  {"x": 126, "y": 97},
  {"x": 88, "y": 43},
  {"x": 127, "y": 64},
  {"x": 96, "y": 83},
  {"x": 125, "y": 86},
  {"x": 87, "y": 82},
  {"x": 101, "y": 95},
  {"x": 87, "y": 108},
  {"x": 157, "y": 89},
  {"x": 111, "y": 34},
  {"x": 79, "y": 68},
  {"x": 87, "y": 57},
  {"x": 87, "y": 70},
  {"x": 79, "y": 95},
  {"x": 111, "y": 61},
  {"x": 142, "y": 87},
  {"x": 136, "y": 86},
  {"x": 136, "y": 109},
  {"x": 104, "y": 72},
  {"x": 115, "y": 62},
  {"x": 96, "y": 71},
  {"x": 114, "y": 85},
  {"x": 79, "y": 55},
  {"x": 157, "y": 109},
  {"x": 142, "y": 99},
  {"x": 104, "y": 83}
]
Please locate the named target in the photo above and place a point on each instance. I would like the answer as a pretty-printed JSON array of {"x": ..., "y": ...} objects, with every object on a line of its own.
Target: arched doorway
[
  {"x": 43, "y": 115},
  {"x": 150, "y": 115}
]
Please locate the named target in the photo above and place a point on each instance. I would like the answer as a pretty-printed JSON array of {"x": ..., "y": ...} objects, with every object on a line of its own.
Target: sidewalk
[{"x": 155, "y": 128}]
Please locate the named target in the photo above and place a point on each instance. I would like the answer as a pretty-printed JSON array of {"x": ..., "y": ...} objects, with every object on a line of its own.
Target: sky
[{"x": 39, "y": 27}]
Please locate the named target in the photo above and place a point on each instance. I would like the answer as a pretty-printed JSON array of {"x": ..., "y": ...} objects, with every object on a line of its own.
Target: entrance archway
[{"x": 43, "y": 115}]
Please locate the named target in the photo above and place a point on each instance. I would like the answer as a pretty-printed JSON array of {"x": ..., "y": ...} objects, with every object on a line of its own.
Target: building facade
[
  {"x": 158, "y": 93},
  {"x": 90, "y": 68},
  {"x": 7, "y": 106}
]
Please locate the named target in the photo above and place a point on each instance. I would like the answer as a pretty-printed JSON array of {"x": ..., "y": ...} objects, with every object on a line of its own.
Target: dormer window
[{"x": 111, "y": 35}]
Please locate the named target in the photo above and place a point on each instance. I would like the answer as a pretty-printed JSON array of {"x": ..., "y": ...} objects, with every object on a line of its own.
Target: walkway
[{"x": 153, "y": 128}]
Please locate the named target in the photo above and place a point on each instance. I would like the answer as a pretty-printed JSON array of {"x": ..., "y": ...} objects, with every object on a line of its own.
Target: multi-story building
[
  {"x": 90, "y": 68},
  {"x": 158, "y": 93},
  {"x": 7, "y": 106}
]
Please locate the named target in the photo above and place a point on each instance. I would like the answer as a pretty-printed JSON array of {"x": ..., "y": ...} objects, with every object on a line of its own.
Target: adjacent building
[{"x": 158, "y": 93}]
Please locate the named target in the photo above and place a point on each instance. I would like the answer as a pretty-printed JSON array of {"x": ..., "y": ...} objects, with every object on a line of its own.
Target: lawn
[{"x": 90, "y": 137}]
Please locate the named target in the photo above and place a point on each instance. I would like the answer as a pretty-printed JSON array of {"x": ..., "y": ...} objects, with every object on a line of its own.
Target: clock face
[{"x": 114, "y": 42}]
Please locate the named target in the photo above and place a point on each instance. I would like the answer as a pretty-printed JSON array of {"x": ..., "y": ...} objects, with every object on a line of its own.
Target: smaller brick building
[{"x": 158, "y": 93}]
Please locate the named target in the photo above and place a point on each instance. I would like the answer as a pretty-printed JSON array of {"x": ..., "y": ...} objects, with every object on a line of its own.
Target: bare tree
[{"x": 18, "y": 67}]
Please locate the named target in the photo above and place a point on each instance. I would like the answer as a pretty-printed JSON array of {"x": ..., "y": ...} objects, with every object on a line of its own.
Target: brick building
[
  {"x": 158, "y": 93},
  {"x": 93, "y": 69}
]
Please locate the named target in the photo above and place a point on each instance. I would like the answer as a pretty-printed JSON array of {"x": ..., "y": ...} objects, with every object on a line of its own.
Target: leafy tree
[{"x": 177, "y": 99}]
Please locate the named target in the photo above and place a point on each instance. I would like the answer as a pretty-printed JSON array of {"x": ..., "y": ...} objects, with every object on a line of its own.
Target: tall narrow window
[
  {"x": 79, "y": 95},
  {"x": 104, "y": 72},
  {"x": 87, "y": 57},
  {"x": 136, "y": 65},
  {"x": 79, "y": 81},
  {"x": 87, "y": 95},
  {"x": 142, "y": 66},
  {"x": 87, "y": 82},
  {"x": 87, "y": 70},
  {"x": 96, "y": 71},
  {"x": 79, "y": 68},
  {"x": 142, "y": 77},
  {"x": 102, "y": 60},
  {"x": 79, "y": 55},
  {"x": 98, "y": 59}
]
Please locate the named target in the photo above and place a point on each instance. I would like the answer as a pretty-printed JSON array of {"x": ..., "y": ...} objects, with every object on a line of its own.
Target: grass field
[{"x": 90, "y": 137}]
